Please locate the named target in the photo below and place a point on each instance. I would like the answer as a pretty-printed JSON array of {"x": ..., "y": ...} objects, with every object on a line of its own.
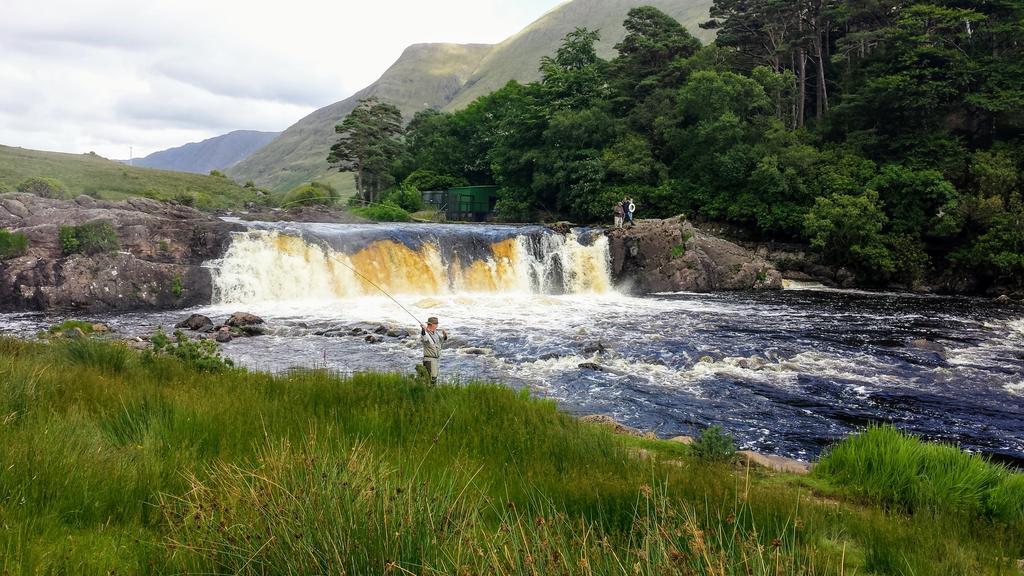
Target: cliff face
[
  {"x": 674, "y": 256},
  {"x": 158, "y": 266}
]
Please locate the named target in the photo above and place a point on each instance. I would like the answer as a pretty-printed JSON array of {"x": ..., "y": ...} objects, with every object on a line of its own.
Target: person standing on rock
[
  {"x": 630, "y": 208},
  {"x": 433, "y": 341},
  {"x": 619, "y": 212}
]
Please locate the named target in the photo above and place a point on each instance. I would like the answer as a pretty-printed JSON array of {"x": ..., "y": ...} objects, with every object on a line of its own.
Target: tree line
[{"x": 888, "y": 134}]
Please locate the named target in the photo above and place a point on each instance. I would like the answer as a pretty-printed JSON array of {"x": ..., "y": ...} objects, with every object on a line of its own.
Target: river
[{"x": 786, "y": 372}]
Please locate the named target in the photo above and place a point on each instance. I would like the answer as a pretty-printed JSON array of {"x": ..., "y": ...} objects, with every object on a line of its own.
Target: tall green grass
[
  {"x": 115, "y": 462},
  {"x": 889, "y": 467}
]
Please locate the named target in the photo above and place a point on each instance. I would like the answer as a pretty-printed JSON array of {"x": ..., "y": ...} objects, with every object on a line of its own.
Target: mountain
[
  {"x": 211, "y": 154},
  {"x": 450, "y": 76},
  {"x": 425, "y": 76},
  {"x": 518, "y": 57},
  {"x": 112, "y": 180}
]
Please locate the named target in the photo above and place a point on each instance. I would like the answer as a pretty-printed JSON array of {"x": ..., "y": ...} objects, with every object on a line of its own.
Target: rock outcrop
[
  {"x": 158, "y": 265},
  {"x": 672, "y": 255}
]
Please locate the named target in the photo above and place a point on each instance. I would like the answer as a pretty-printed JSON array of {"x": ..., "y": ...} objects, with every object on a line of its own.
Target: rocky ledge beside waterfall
[
  {"x": 154, "y": 263},
  {"x": 672, "y": 255}
]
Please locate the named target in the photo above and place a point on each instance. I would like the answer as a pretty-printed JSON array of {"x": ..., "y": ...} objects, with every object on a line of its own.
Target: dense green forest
[{"x": 888, "y": 134}]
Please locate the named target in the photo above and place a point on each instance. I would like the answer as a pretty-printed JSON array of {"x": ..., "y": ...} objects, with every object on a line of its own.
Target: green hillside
[
  {"x": 516, "y": 58},
  {"x": 111, "y": 180},
  {"x": 450, "y": 76},
  {"x": 425, "y": 76}
]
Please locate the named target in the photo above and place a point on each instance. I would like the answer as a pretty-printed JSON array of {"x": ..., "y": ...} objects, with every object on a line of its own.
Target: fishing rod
[{"x": 330, "y": 253}]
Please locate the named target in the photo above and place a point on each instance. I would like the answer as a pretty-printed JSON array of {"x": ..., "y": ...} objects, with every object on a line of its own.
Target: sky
[{"x": 109, "y": 75}]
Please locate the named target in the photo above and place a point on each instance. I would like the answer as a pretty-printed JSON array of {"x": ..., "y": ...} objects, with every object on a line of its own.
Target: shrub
[
  {"x": 44, "y": 187},
  {"x": 202, "y": 355},
  {"x": 217, "y": 174},
  {"x": 309, "y": 194},
  {"x": 407, "y": 198},
  {"x": 176, "y": 286},
  {"x": 12, "y": 244},
  {"x": 713, "y": 445},
  {"x": 185, "y": 199},
  {"x": 89, "y": 238},
  {"x": 387, "y": 212},
  {"x": 678, "y": 250}
]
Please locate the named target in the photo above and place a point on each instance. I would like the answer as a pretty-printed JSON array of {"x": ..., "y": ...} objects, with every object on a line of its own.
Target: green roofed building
[{"x": 465, "y": 203}]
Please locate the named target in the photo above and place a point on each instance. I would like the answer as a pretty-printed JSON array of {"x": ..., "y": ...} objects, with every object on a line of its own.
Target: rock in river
[
  {"x": 197, "y": 323},
  {"x": 240, "y": 319}
]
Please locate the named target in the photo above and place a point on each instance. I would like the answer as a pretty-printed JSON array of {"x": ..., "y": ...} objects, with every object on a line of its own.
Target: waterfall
[{"x": 316, "y": 262}]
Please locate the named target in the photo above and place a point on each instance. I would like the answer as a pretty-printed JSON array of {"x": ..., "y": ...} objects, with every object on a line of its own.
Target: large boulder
[
  {"x": 243, "y": 319},
  {"x": 158, "y": 265},
  {"x": 672, "y": 255},
  {"x": 197, "y": 323}
]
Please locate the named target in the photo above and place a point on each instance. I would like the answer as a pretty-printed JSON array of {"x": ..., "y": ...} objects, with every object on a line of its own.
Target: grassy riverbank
[{"x": 112, "y": 462}]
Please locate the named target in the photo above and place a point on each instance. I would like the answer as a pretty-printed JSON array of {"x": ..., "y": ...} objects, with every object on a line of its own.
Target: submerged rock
[
  {"x": 597, "y": 347},
  {"x": 398, "y": 333},
  {"x": 475, "y": 351},
  {"x": 374, "y": 338},
  {"x": 590, "y": 366},
  {"x": 223, "y": 336},
  {"x": 929, "y": 346}
]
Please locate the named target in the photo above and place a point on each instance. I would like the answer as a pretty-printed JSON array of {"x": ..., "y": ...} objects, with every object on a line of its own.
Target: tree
[
  {"x": 574, "y": 78},
  {"x": 653, "y": 42},
  {"x": 369, "y": 145},
  {"x": 848, "y": 230}
]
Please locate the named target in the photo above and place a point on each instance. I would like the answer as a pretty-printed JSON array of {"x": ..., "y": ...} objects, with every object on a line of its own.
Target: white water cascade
[{"x": 273, "y": 265}]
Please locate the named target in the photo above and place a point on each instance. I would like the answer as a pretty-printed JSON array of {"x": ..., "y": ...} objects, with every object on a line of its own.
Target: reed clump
[
  {"x": 892, "y": 468},
  {"x": 117, "y": 462}
]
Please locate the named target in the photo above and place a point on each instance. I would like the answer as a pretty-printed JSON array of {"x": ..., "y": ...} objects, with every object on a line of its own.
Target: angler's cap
[{"x": 432, "y": 320}]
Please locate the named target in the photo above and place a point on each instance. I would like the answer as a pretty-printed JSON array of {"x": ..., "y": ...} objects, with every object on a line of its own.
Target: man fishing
[{"x": 432, "y": 344}]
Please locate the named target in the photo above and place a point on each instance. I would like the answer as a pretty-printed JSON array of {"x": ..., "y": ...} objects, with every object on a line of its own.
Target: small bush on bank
[
  {"x": 89, "y": 238},
  {"x": 405, "y": 197},
  {"x": 889, "y": 467},
  {"x": 386, "y": 212},
  {"x": 12, "y": 244},
  {"x": 714, "y": 445},
  {"x": 202, "y": 355},
  {"x": 313, "y": 193},
  {"x": 44, "y": 187}
]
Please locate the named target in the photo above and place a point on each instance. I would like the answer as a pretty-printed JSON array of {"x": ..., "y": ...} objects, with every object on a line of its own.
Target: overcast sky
[{"x": 103, "y": 75}]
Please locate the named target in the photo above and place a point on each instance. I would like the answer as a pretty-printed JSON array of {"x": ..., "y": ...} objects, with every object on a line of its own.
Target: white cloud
[{"x": 104, "y": 75}]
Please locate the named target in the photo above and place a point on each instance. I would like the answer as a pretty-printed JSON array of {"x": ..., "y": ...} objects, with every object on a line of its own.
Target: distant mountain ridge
[
  {"x": 425, "y": 76},
  {"x": 449, "y": 77},
  {"x": 216, "y": 153}
]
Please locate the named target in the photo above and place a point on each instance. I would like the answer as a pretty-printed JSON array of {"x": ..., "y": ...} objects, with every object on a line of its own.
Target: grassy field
[
  {"x": 116, "y": 462},
  {"x": 110, "y": 180}
]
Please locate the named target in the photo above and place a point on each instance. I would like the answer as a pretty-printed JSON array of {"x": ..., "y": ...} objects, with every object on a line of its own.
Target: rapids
[{"x": 789, "y": 372}]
